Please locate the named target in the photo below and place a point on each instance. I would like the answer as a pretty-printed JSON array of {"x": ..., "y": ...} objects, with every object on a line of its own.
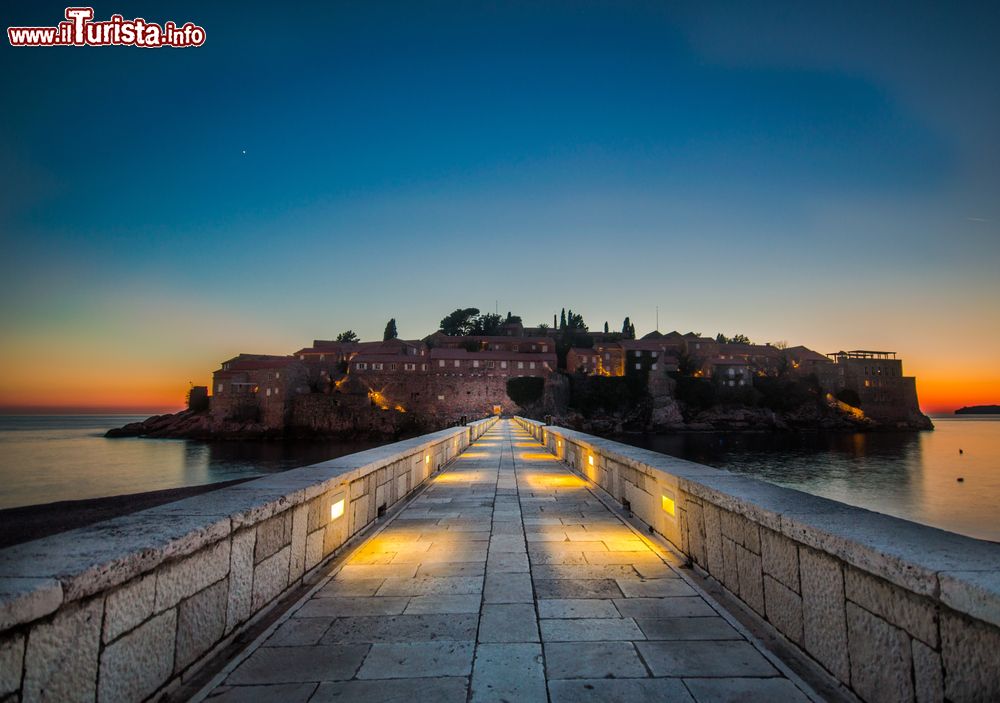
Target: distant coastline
[{"x": 979, "y": 410}]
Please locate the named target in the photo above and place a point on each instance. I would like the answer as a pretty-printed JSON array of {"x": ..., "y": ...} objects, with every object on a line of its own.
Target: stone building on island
[{"x": 443, "y": 377}]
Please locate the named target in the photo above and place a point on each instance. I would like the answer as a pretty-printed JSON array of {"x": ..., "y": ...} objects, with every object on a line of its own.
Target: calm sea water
[
  {"x": 911, "y": 475},
  {"x": 49, "y": 458}
]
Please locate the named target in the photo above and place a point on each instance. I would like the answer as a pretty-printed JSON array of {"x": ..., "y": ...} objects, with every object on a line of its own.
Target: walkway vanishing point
[{"x": 507, "y": 579}]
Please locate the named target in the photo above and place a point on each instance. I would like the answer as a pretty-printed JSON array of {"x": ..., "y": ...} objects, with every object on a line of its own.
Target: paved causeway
[{"x": 506, "y": 580}]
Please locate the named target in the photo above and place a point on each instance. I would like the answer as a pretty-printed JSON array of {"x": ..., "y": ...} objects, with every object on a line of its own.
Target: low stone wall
[
  {"x": 127, "y": 609},
  {"x": 894, "y": 610}
]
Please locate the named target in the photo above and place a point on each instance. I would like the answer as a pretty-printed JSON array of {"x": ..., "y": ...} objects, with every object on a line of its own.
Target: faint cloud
[{"x": 976, "y": 219}]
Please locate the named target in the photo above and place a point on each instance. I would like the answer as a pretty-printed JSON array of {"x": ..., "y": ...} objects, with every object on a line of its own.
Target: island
[
  {"x": 979, "y": 410},
  {"x": 603, "y": 382}
]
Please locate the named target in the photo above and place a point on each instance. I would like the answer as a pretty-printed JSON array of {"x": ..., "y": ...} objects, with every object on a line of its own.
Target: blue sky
[{"x": 827, "y": 177}]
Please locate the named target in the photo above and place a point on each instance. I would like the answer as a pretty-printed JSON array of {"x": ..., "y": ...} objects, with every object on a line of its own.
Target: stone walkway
[{"x": 506, "y": 580}]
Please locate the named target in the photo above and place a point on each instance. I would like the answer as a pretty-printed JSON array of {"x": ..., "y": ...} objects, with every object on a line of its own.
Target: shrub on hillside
[{"x": 525, "y": 390}]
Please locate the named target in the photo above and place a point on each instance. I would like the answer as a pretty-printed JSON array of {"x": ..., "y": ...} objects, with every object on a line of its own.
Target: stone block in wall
[
  {"x": 740, "y": 529},
  {"x": 297, "y": 559},
  {"x": 187, "y": 576},
  {"x": 714, "y": 563},
  {"x": 240, "y": 578},
  {"x": 824, "y": 620},
  {"x": 783, "y": 608},
  {"x": 402, "y": 485},
  {"x": 270, "y": 578},
  {"x": 880, "y": 657},
  {"x": 915, "y": 614},
  {"x": 696, "y": 535},
  {"x": 973, "y": 593},
  {"x": 24, "y": 600},
  {"x": 60, "y": 660},
  {"x": 359, "y": 488},
  {"x": 201, "y": 622},
  {"x": 730, "y": 568},
  {"x": 314, "y": 548},
  {"x": 750, "y": 578},
  {"x": 382, "y": 496},
  {"x": 129, "y": 605},
  {"x": 780, "y": 558},
  {"x": 137, "y": 664},
  {"x": 928, "y": 678},
  {"x": 11, "y": 662},
  {"x": 359, "y": 513},
  {"x": 273, "y": 535},
  {"x": 969, "y": 653},
  {"x": 319, "y": 511}
]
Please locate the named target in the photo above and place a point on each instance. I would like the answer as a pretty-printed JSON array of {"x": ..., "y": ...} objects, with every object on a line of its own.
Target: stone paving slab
[{"x": 505, "y": 580}]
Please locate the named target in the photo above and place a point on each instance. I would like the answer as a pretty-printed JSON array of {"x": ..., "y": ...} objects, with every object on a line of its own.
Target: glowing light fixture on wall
[
  {"x": 427, "y": 458},
  {"x": 337, "y": 509},
  {"x": 667, "y": 503},
  {"x": 591, "y": 459}
]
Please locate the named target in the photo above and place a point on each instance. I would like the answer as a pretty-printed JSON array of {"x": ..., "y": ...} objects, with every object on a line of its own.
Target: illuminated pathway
[{"x": 506, "y": 580}]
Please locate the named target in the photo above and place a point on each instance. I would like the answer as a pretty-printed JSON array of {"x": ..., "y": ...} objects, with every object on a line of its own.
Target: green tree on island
[
  {"x": 628, "y": 329},
  {"x": 348, "y": 336},
  {"x": 459, "y": 322},
  {"x": 390, "y": 330}
]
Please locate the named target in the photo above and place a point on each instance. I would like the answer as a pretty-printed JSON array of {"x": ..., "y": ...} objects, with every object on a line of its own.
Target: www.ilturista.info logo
[{"x": 79, "y": 29}]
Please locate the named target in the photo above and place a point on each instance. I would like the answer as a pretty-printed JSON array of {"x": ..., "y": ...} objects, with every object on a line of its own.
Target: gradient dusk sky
[{"x": 829, "y": 177}]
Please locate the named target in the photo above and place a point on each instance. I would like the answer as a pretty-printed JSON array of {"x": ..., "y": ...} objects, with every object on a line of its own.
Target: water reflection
[
  {"x": 907, "y": 474},
  {"x": 46, "y": 459}
]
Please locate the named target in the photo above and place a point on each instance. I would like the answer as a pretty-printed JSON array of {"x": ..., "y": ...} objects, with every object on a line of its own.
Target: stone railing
[
  {"x": 892, "y": 609},
  {"x": 128, "y": 609}
]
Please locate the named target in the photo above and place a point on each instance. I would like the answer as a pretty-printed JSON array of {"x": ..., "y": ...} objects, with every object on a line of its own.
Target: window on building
[
  {"x": 361, "y": 365},
  {"x": 220, "y": 388},
  {"x": 654, "y": 367},
  {"x": 276, "y": 391},
  {"x": 457, "y": 363},
  {"x": 441, "y": 362},
  {"x": 515, "y": 347},
  {"x": 638, "y": 366},
  {"x": 302, "y": 357},
  {"x": 440, "y": 397},
  {"x": 545, "y": 348},
  {"x": 503, "y": 364},
  {"x": 520, "y": 364},
  {"x": 392, "y": 367},
  {"x": 268, "y": 393},
  {"x": 475, "y": 363},
  {"x": 654, "y": 354},
  {"x": 531, "y": 365},
  {"x": 490, "y": 364},
  {"x": 423, "y": 367}
]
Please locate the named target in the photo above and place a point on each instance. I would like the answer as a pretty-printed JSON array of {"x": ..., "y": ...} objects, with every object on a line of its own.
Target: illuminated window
[
  {"x": 457, "y": 363},
  {"x": 441, "y": 362},
  {"x": 220, "y": 388}
]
